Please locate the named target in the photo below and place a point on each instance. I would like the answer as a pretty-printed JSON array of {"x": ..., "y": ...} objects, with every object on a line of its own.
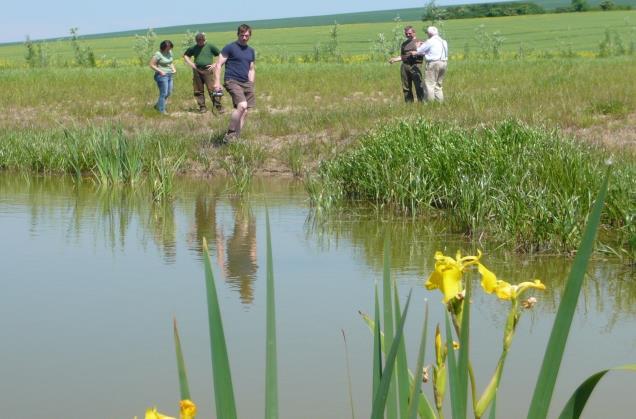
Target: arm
[
  {"x": 153, "y": 64},
  {"x": 174, "y": 69},
  {"x": 217, "y": 71},
  {"x": 251, "y": 74},
  {"x": 189, "y": 62},
  {"x": 395, "y": 59}
]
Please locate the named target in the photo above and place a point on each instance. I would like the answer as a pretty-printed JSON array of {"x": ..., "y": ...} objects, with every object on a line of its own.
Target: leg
[
  {"x": 439, "y": 93},
  {"x": 406, "y": 82},
  {"x": 237, "y": 120},
  {"x": 208, "y": 80},
  {"x": 429, "y": 81},
  {"x": 170, "y": 87},
  {"x": 162, "y": 84},
  {"x": 416, "y": 77},
  {"x": 197, "y": 86}
]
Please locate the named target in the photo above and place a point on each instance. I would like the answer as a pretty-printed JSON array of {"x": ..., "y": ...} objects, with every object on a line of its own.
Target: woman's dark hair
[{"x": 165, "y": 45}]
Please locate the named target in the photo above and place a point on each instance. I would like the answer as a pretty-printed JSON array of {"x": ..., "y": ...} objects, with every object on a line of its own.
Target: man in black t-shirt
[
  {"x": 240, "y": 72},
  {"x": 411, "y": 68},
  {"x": 200, "y": 57}
]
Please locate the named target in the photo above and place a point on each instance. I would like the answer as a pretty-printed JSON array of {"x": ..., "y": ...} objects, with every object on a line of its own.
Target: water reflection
[{"x": 114, "y": 216}]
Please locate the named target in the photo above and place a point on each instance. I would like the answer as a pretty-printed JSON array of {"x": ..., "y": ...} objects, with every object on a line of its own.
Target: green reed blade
[
  {"x": 462, "y": 361},
  {"x": 558, "y": 337},
  {"x": 402, "y": 366},
  {"x": 574, "y": 406},
  {"x": 451, "y": 360},
  {"x": 222, "y": 377},
  {"x": 493, "y": 408},
  {"x": 349, "y": 385},
  {"x": 421, "y": 403},
  {"x": 271, "y": 367},
  {"x": 377, "y": 346},
  {"x": 184, "y": 389},
  {"x": 381, "y": 396},
  {"x": 391, "y": 402}
]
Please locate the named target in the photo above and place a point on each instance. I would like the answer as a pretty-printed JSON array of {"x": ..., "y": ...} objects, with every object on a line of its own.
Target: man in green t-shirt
[{"x": 200, "y": 57}]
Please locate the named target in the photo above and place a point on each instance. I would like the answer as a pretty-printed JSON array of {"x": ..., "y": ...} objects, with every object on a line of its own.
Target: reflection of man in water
[
  {"x": 237, "y": 255},
  {"x": 240, "y": 266}
]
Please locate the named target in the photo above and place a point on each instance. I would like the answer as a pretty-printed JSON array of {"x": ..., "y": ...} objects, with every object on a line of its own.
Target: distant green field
[{"x": 547, "y": 32}]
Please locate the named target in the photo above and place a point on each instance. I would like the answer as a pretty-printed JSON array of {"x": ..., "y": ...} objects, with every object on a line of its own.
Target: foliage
[
  {"x": 489, "y": 43},
  {"x": 84, "y": 55},
  {"x": 469, "y": 11},
  {"x": 433, "y": 14},
  {"x": 37, "y": 53},
  {"x": 144, "y": 46},
  {"x": 387, "y": 47},
  {"x": 531, "y": 184}
]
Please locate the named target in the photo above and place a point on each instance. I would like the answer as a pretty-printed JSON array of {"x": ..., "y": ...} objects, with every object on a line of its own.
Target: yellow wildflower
[
  {"x": 448, "y": 274},
  {"x": 153, "y": 414},
  {"x": 188, "y": 409},
  {"x": 506, "y": 291}
]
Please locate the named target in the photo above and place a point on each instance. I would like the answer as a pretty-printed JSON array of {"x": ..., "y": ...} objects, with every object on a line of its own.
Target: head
[
  {"x": 166, "y": 45},
  {"x": 200, "y": 38},
  {"x": 409, "y": 32},
  {"x": 244, "y": 32},
  {"x": 432, "y": 31}
]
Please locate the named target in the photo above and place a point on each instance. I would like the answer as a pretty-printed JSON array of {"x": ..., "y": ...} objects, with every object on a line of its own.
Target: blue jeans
[{"x": 164, "y": 83}]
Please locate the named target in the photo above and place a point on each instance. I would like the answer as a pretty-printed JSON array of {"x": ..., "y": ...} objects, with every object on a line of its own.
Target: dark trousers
[
  {"x": 412, "y": 77},
  {"x": 202, "y": 78}
]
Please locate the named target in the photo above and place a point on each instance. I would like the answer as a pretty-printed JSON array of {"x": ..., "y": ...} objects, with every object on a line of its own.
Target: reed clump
[{"x": 529, "y": 187}]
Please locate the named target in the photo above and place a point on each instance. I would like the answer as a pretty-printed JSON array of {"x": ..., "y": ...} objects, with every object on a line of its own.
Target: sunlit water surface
[{"x": 91, "y": 280}]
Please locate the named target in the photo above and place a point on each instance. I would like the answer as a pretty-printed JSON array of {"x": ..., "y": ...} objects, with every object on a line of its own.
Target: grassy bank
[{"x": 511, "y": 183}]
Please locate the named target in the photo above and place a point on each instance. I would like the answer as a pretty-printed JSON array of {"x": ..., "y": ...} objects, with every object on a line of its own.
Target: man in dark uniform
[
  {"x": 200, "y": 57},
  {"x": 411, "y": 68}
]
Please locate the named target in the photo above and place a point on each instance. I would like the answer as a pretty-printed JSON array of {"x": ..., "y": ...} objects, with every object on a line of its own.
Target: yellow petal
[
  {"x": 488, "y": 279},
  {"x": 450, "y": 282},
  {"x": 434, "y": 281},
  {"x": 521, "y": 288},
  {"x": 188, "y": 409},
  {"x": 153, "y": 414},
  {"x": 504, "y": 290}
]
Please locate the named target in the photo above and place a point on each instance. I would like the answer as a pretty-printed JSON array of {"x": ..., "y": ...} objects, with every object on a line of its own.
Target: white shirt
[{"x": 434, "y": 49}]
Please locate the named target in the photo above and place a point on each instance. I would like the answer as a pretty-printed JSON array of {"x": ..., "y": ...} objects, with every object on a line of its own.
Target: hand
[
  {"x": 209, "y": 67},
  {"x": 161, "y": 73}
]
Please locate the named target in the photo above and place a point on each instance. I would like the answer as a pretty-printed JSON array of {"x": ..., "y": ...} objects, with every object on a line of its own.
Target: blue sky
[{"x": 48, "y": 19}]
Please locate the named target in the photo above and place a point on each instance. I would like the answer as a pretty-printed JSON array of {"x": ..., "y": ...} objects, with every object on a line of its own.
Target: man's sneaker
[{"x": 229, "y": 137}]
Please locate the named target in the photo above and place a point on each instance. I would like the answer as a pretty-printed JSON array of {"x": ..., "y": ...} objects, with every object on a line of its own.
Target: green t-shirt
[
  {"x": 164, "y": 61},
  {"x": 204, "y": 55}
]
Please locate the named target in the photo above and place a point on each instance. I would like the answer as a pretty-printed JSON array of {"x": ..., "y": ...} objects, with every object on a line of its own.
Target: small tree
[
  {"x": 580, "y": 5},
  {"x": 84, "y": 55},
  {"x": 607, "y": 5},
  {"x": 144, "y": 46},
  {"x": 188, "y": 39},
  {"x": 433, "y": 14}
]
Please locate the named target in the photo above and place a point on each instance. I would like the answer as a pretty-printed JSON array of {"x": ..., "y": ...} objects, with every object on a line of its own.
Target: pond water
[{"x": 91, "y": 279}]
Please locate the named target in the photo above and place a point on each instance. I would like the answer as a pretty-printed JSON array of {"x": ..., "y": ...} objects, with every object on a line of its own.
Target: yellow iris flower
[
  {"x": 153, "y": 414},
  {"x": 448, "y": 274},
  {"x": 187, "y": 410},
  {"x": 506, "y": 291}
]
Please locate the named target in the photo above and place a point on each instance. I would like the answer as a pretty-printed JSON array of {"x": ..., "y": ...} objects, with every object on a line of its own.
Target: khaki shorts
[{"x": 241, "y": 92}]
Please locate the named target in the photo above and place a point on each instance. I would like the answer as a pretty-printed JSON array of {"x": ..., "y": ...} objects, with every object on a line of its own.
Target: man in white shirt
[{"x": 435, "y": 52}]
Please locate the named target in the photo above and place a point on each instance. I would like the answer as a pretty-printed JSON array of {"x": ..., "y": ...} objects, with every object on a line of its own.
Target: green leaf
[
  {"x": 402, "y": 366},
  {"x": 462, "y": 362},
  {"x": 421, "y": 403},
  {"x": 184, "y": 389},
  {"x": 380, "y": 397},
  {"x": 222, "y": 377},
  {"x": 574, "y": 407},
  {"x": 391, "y": 402},
  {"x": 377, "y": 346},
  {"x": 493, "y": 408},
  {"x": 271, "y": 363},
  {"x": 561, "y": 328},
  {"x": 451, "y": 360}
]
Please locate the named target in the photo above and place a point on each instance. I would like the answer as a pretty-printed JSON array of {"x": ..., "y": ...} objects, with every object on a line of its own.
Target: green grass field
[{"x": 548, "y": 32}]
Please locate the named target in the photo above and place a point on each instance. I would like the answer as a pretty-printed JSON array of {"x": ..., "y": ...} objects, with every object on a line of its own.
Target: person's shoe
[
  {"x": 203, "y": 109},
  {"x": 221, "y": 111},
  {"x": 229, "y": 137}
]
